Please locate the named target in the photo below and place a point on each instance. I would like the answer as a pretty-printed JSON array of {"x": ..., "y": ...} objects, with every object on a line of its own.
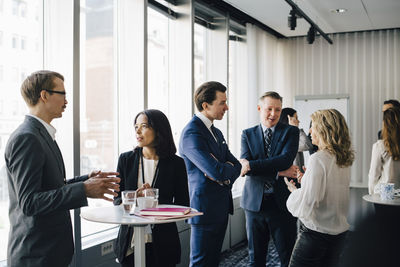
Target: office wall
[{"x": 364, "y": 65}]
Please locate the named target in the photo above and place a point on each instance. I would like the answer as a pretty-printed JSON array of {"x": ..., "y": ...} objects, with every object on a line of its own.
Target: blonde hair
[
  {"x": 333, "y": 134},
  {"x": 391, "y": 132}
]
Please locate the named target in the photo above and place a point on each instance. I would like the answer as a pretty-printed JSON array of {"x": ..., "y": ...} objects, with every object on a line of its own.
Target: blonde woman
[
  {"x": 385, "y": 158},
  {"x": 321, "y": 204}
]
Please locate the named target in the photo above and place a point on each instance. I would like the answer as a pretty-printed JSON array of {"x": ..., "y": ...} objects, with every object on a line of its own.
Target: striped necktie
[{"x": 268, "y": 140}]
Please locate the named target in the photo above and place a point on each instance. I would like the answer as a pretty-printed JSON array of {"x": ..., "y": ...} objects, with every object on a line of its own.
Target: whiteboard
[{"x": 306, "y": 105}]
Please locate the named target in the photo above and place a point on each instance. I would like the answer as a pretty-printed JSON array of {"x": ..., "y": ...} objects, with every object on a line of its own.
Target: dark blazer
[
  {"x": 40, "y": 223},
  {"x": 285, "y": 143},
  {"x": 173, "y": 189},
  {"x": 196, "y": 146}
]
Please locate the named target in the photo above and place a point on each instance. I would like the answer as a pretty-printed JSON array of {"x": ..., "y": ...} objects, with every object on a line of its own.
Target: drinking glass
[
  {"x": 152, "y": 193},
  {"x": 128, "y": 201}
]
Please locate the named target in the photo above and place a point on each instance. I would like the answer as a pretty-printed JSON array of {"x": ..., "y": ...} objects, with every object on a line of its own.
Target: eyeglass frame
[{"x": 56, "y": 92}]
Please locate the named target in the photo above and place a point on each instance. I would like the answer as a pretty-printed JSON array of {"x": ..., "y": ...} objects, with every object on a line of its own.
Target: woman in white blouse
[
  {"x": 385, "y": 158},
  {"x": 322, "y": 202}
]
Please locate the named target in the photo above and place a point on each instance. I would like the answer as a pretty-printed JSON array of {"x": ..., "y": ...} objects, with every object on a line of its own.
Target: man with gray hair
[{"x": 267, "y": 153}]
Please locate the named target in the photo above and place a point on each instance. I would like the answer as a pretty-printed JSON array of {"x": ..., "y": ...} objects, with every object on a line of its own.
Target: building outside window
[{"x": 12, "y": 106}]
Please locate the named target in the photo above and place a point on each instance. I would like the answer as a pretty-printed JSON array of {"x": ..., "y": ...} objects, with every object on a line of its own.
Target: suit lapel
[
  {"x": 210, "y": 138},
  {"x": 276, "y": 137},
  {"x": 259, "y": 139},
  {"x": 52, "y": 145}
]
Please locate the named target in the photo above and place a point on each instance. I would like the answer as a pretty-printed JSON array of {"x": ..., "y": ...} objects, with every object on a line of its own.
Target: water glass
[
  {"x": 128, "y": 201},
  {"x": 152, "y": 193}
]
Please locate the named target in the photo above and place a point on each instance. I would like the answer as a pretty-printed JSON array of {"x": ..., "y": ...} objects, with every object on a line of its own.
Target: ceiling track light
[
  {"x": 311, "y": 35},
  {"x": 300, "y": 13},
  {"x": 292, "y": 19}
]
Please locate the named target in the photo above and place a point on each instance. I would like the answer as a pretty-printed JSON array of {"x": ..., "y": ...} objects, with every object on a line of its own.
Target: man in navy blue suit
[
  {"x": 268, "y": 151},
  {"x": 212, "y": 169}
]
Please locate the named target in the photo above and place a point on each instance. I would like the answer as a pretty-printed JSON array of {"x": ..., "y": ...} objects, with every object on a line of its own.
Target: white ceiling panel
[{"x": 361, "y": 15}]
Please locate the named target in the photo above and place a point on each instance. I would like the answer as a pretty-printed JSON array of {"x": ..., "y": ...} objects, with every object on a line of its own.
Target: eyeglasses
[{"x": 56, "y": 92}]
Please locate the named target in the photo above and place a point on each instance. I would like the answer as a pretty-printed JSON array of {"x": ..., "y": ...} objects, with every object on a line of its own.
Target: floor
[{"x": 238, "y": 256}]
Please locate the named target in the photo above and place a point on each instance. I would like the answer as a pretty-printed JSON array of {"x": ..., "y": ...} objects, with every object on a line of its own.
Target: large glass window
[
  {"x": 14, "y": 68},
  {"x": 157, "y": 43},
  {"x": 98, "y": 118}
]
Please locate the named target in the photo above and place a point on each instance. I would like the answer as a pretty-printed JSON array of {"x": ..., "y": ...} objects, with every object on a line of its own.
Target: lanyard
[{"x": 155, "y": 173}]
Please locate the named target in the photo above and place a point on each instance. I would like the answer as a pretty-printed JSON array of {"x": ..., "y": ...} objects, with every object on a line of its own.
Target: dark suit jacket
[
  {"x": 173, "y": 189},
  {"x": 285, "y": 143},
  {"x": 196, "y": 146},
  {"x": 40, "y": 223}
]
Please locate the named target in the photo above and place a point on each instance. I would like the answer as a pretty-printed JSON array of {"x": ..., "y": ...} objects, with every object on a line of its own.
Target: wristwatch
[{"x": 227, "y": 182}]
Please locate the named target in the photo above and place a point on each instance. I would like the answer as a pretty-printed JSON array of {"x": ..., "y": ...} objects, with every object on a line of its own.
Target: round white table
[
  {"x": 115, "y": 215},
  {"x": 376, "y": 198}
]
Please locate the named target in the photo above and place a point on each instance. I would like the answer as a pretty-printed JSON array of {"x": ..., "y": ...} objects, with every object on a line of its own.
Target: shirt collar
[
  {"x": 50, "y": 129},
  {"x": 265, "y": 128},
  {"x": 204, "y": 119}
]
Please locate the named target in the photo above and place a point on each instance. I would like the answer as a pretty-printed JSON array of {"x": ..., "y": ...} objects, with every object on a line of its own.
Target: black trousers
[
  {"x": 316, "y": 249},
  {"x": 150, "y": 259},
  {"x": 274, "y": 222}
]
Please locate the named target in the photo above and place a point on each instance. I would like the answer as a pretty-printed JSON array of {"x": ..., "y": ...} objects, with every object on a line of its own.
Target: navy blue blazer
[
  {"x": 196, "y": 146},
  {"x": 285, "y": 143}
]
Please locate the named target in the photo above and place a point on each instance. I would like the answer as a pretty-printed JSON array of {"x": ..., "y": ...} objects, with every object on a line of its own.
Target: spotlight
[
  {"x": 292, "y": 20},
  {"x": 311, "y": 35}
]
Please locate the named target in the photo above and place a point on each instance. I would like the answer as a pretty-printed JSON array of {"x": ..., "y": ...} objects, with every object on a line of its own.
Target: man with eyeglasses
[{"x": 40, "y": 195}]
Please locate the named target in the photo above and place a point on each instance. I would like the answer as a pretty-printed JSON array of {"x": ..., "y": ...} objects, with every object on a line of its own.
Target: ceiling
[{"x": 361, "y": 15}]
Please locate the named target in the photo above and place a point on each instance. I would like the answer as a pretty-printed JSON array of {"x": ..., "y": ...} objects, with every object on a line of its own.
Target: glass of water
[
  {"x": 128, "y": 201},
  {"x": 152, "y": 193}
]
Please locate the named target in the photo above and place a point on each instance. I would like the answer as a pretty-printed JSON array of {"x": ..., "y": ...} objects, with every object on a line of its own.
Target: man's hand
[
  {"x": 291, "y": 172},
  {"x": 300, "y": 174},
  {"x": 245, "y": 167},
  {"x": 291, "y": 186},
  {"x": 214, "y": 180},
  {"x": 97, "y": 187}
]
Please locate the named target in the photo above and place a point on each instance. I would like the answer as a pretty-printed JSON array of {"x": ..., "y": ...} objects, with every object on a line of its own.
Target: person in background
[
  {"x": 314, "y": 147},
  {"x": 153, "y": 164},
  {"x": 212, "y": 170},
  {"x": 388, "y": 104},
  {"x": 289, "y": 116},
  {"x": 322, "y": 202},
  {"x": 267, "y": 153},
  {"x": 40, "y": 195},
  {"x": 385, "y": 157}
]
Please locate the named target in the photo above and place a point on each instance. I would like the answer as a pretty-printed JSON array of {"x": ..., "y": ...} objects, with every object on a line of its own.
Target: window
[
  {"x": 14, "y": 41},
  {"x": 23, "y": 43},
  {"x": 157, "y": 60},
  {"x": 23, "y": 9},
  {"x": 15, "y": 7},
  {"x": 99, "y": 141},
  {"x": 12, "y": 106}
]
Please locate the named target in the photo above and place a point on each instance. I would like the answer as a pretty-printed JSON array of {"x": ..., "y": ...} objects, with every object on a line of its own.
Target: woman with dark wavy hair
[
  {"x": 385, "y": 158},
  {"x": 153, "y": 163},
  {"x": 322, "y": 202}
]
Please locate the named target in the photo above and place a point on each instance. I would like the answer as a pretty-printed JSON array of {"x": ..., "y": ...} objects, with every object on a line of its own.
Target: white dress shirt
[
  {"x": 50, "y": 129},
  {"x": 207, "y": 122},
  {"x": 383, "y": 169},
  {"x": 322, "y": 202}
]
